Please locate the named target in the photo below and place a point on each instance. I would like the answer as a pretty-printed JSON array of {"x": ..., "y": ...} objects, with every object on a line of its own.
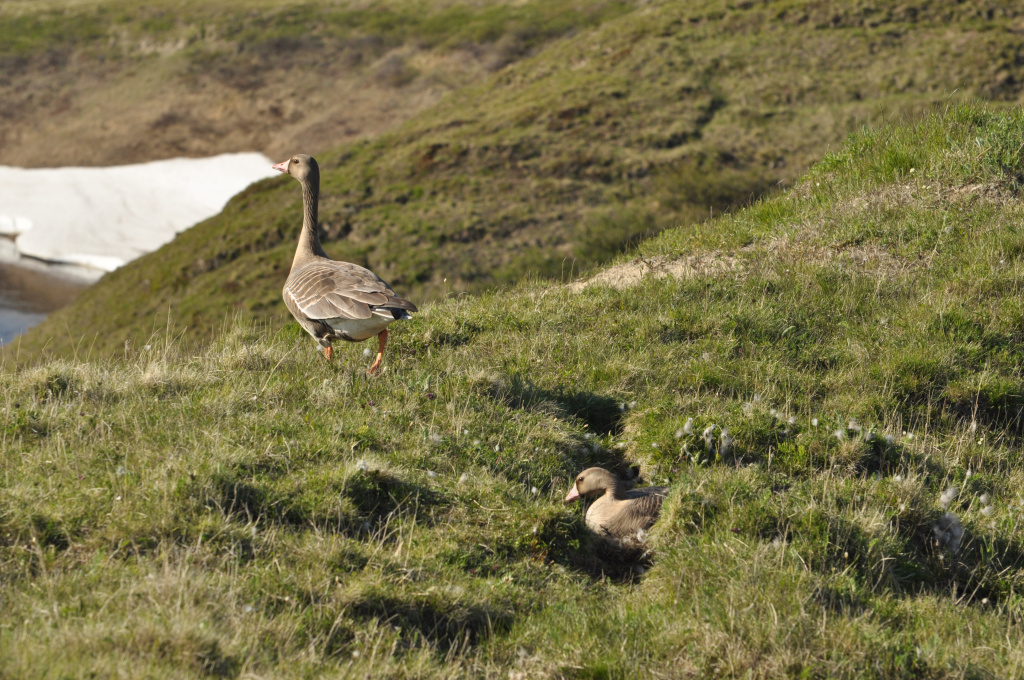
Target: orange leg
[
  {"x": 383, "y": 337},
  {"x": 329, "y": 352}
]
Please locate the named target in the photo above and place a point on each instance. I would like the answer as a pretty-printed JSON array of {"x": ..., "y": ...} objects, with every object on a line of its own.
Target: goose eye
[{"x": 579, "y": 479}]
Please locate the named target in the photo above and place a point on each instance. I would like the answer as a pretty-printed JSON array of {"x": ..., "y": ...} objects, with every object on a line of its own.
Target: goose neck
[{"x": 309, "y": 240}]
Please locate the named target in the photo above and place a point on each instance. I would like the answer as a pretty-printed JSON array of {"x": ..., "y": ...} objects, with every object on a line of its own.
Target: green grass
[
  {"x": 248, "y": 509},
  {"x": 624, "y": 122}
]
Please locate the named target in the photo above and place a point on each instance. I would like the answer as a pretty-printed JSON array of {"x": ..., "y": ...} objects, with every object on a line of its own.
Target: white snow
[{"x": 102, "y": 218}]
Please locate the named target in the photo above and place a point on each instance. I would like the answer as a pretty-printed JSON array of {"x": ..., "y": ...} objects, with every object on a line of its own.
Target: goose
[
  {"x": 335, "y": 300},
  {"x": 617, "y": 513}
]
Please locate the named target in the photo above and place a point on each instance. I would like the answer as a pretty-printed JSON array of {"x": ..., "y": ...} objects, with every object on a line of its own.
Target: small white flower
[
  {"x": 688, "y": 427},
  {"x": 988, "y": 510},
  {"x": 897, "y": 478},
  {"x": 903, "y": 506},
  {"x": 622, "y": 406},
  {"x": 814, "y": 422},
  {"x": 476, "y": 442},
  {"x": 148, "y": 347},
  {"x": 367, "y": 352},
  {"x": 118, "y": 498},
  {"x": 654, "y": 445},
  {"x": 968, "y": 475},
  {"x": 792, "y": 420},
  {"x": 854, "y": 425},
  {"x": 497, "y": 447},
  {"x": 121, "y": 470},
  {"x": 533, "y": 490},
  {"x": 247, "y": 608},
  {"x": 355, "y": 653},
  {"x": 632, "y": 404},
  {"x": 434, "y": 438},
  {"x": 974, "y": 426},
  {"x": 431, "y": 474},
  {"x": 679, "y": 434},
  {"x": 890, "y": 440},
  {"x": 984, "y": 498},
  {"x": 362, "y": 466},
  {"x": 839, "y": 434},
  {"x": 463, "y": 478},
  {"x": 709, "y": 430}
]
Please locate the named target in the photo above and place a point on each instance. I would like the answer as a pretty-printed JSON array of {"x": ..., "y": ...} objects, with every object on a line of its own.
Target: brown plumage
[
  {"x": 617, "y": 513},
  {"x": 334, "y": 300}
]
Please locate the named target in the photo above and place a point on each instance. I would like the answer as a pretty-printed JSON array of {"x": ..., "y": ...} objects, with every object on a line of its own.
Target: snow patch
[{"x": 104, "y": 217}]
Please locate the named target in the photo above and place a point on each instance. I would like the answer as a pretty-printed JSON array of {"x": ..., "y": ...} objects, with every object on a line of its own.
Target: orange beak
[
  {"x": 282, "y": 166},
  {"x": 573, "y": 494}
]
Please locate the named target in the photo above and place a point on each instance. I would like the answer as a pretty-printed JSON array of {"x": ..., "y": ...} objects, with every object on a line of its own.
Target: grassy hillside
[
  {"x": 109, "y": 82},
  {"x": 252, "y": 510},
  {"x": 652, "y": 119}
]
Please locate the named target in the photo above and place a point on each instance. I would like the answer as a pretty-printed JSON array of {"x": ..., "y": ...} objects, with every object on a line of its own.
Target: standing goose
[
  {"x": 334, "y": 300},
  {"x": 617, "y": 513}
]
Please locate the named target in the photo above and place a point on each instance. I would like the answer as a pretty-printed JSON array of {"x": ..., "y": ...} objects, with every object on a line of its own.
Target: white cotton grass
[
  {"x": 362, "y": 466},
  {"x": 434, "y": 438},
  {"x": 463, "y": 478},
  {"x": 709, "y": 440},
  {"x": 987, "y": 509},
  {"x": 947, "y": 496},
  {"x": 726, "y": 443},
  {"x": 814, "y": 422},
  {"x": 840, "y": 434},
  {"x": 688, "y": 427},
  {"x": 948, "y": 532}
]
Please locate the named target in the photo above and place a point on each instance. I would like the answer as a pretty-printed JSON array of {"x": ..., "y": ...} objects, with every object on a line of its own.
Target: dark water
[{"x": 28, "y": 294}]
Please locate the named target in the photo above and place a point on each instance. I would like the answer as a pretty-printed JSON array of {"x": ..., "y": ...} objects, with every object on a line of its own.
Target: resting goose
[
  {"x": 334, "y": 300},
  {"x": 617, "y": 513}
]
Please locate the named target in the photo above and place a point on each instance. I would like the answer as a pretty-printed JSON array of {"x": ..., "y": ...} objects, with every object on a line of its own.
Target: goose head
[
  {"x": 301, "y": 167},
  {"x": 590, "y": 482}
]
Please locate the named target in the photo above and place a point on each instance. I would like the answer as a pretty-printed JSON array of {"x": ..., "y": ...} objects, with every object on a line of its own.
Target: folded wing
[{"x": 325, "y": 289}]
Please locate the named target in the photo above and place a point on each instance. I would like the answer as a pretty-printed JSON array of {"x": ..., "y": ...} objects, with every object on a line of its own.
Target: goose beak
[
  {"x": 573, "y": 494},
  {"x": 282, "y": 166}
]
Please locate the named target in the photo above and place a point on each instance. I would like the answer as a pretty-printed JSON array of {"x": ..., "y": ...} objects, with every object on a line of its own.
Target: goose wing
[
  {"x": 325, "y": 289},
  {"x": 638, "y": 511}
]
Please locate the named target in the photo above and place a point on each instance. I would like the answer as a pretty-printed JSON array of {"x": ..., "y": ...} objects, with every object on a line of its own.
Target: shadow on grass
[
  {"x": 914, "y": 557},
  {"x": 602, "y": 414},
  {"x": 445, "y": 626},
  {"x": 362, "y": 502}
]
